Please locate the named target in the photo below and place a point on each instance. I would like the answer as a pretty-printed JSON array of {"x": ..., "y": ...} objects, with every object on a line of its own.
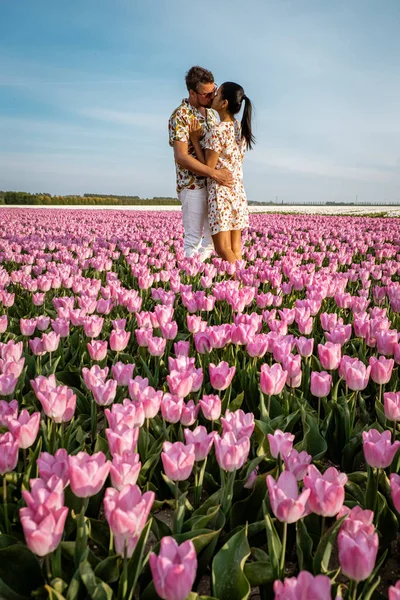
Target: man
[{"x": 191, "y": 174}]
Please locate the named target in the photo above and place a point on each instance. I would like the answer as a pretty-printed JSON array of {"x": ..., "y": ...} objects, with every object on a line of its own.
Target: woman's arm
[{"x": 211, "y": 158}]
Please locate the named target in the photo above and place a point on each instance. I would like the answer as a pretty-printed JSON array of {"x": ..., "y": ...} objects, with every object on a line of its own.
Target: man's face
[{"x": 204, "y": 94}]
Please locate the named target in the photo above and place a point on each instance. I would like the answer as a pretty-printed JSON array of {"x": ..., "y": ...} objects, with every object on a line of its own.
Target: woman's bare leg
[
  {"x": 222, "y": 243},
  {"x": 236, "y": 243}
]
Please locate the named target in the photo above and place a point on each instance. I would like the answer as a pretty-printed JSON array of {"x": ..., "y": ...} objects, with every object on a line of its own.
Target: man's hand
[
  {"x": 223, "y": 177},
  {"x": 195, "y": 131}
]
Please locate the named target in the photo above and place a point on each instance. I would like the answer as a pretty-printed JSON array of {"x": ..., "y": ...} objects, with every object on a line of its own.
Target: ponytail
[
  {"x": 246, "y": 123},
  {"x": 234, "y": 94}
]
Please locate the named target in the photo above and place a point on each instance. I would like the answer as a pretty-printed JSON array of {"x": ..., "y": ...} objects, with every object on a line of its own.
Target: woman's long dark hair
[{"x": 234, "y": 94}]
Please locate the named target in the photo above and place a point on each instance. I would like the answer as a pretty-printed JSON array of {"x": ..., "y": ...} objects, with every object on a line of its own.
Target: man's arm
[{"x": 185, "y": 160}]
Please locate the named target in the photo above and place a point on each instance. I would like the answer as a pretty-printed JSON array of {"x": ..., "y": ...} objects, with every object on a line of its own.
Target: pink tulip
[
  {"x": 329, "y": 355},
  {"x": 125, "y": 470},
  {"x": 297, "y": 463},
  {"x": 8, "y": 384},
  {"x": 174, "y": 569},
  {"x": 303, "y": 587},
  {"x": 171, "y": 408},
  {"x": 122, "y": 373},
  {"x": 391, "y": 403},
  {"x": 8, "y": 453},
  {"x": 126, "y": 512},
  {"x": 151, "y": 401},
  {"x": 27, "y": 326},
  {"x": 230, "y": 452},
  {"x": 358, "y": 546},
  {"x": 394, "y": 591},
  {"x": 239, "y": 423},
  {"x": 178, "y": 460},
  {"x": 305, "y": 346},
  {"x": 156, "y": 346},
  {"x": 221, "y": 375},
  {"x": 58, "y": 403},
  {"x": 3, "y": 323},
  {"x": 45, "y": 494},
  {"x": 42, "y": 322},
  {"x": 180, "y": 383},
  {"x": 182, "y": 348},
  {"x": 395, "y": 490},
  {"x": 61, "y": 326},
  {"x": 50, "y": 341},
  {"x": 58, "y": 465},
  {"x": 286, "y": 503},
  {"x": 379, "y": 452},
  {"x": 104, "y": 393},
  {"x": 93, "y": 325},
  {"x": 88, "y": 473},
  {"x": 211, "y": 407},
  {"x": 43, "y": 529},
  {"x": 137, "y": 385},
  {"x": 12, "y": 368},
  {"x": 94, "y": 376},
  {"x": 122, "y": 440},
  {"x": 97, "y": 350},
  {"x": 119, "y": 339},
  {"x": 357, "y": 375},
  {"x": 320, "y": 384},
  {"x": 25, "y": 428},
  {"x": 280, "y": 443},
  {"x": 201, "y": 440},
  {"x": 327, "y": 490},
  {"x": 272, "y": 379},
  {"x": 36, "y": 346},
  {"x": 8, "y": 410},
  {"x": 11, "y": 350},
  {"x": 128, "y": 414},
  {"x": 38, "y": 299},
  {"x": 189, "y": 413},
  {"x": 381, "y": 369}
]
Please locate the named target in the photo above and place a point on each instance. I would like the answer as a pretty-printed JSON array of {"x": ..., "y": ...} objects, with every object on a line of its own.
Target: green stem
[
  {"x": 111, "y": 544},
  {"x": 5, "y": 504},
  {"x": 284, "y": 539},
  {"x": 81, "y": 533},
  {"x": 48, "y": 568},
  {"x": 394, "y": 432},
  {"x": 323, "y": 526},
  {"x": 228, "y": 492},
  {"x": 124, "y": 579},
  {"x": 355, "y": 590}
]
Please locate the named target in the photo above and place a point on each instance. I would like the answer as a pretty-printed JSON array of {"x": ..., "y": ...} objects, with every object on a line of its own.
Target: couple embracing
[{"x": 208, "y": 158}]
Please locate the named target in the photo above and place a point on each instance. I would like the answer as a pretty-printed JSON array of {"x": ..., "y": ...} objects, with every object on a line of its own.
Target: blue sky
[{"x": 87, "y": 86}]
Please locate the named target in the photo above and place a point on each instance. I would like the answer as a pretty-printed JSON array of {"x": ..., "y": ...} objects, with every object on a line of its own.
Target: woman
[{"x": 223, "y": 147}]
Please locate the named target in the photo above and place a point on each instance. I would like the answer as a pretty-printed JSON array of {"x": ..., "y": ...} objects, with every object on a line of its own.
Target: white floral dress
[{"x": 227, "y": 207}]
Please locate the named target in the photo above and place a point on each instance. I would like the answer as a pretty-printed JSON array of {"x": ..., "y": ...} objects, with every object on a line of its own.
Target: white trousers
[{"x": 195, "y": 220}]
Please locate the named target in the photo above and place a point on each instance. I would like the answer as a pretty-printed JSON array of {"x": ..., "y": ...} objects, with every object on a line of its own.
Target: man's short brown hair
[{"x": 197, "y": 75}]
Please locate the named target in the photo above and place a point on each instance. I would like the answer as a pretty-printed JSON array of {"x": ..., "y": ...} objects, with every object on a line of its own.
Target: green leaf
[
  {"x": 274, "y": 542},
  {"x": 15, "y": 560},
  {"x": 259, "y": 573},
  {"x": 97, "y": 589},
  {"x": 99, "y": 532},
  {"x": 304, "y": 545},
  {"x": 312, "y": 442},
  {"x": 135, "y": 564},
  {"x": 237, "y": 402},
  {"x": 228, "y": 579},
  {"x": 200, "y": 521},
  {"x": 53, "y": 594},
  {"x": 324, "y": 549},
  {"x": 108, "y": 569}
]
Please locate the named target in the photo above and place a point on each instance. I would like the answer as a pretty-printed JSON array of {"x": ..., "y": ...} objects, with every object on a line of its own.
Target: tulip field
[{"x": 184, "y": 430}]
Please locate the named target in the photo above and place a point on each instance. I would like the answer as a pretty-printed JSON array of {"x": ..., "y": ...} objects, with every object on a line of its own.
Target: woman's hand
[{"x": 195, "y": 131}]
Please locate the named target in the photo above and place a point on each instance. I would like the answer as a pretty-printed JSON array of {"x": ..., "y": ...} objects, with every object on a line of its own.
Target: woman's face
[{"x": 218, "y": 103}]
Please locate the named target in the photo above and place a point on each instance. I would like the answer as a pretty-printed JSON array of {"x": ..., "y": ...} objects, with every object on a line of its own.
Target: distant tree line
[{"x": 87, "y": 199}]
